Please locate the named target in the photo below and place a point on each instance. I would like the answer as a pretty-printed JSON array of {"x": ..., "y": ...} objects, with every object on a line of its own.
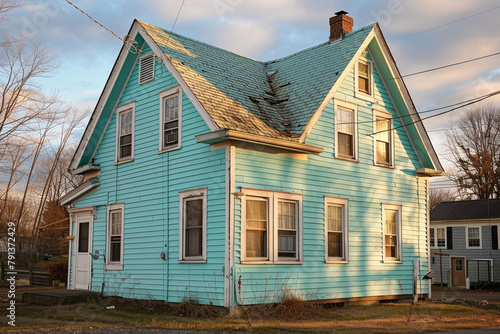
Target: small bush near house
[
  {"x": 193, "y": 309},
  {"x": 57, "y": 271}
]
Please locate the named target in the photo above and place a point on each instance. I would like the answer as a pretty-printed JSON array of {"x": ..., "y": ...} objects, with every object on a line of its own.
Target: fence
[{"x": 34, "y": 274}]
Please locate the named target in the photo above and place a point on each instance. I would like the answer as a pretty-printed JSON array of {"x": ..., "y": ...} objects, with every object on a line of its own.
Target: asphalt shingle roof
[
  {"x": 275, "y": 98},
  {"x": 464, "y": 210}
]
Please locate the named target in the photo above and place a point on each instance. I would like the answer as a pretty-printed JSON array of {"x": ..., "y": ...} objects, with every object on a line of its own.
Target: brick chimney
[{"x": 339, "y": 25}]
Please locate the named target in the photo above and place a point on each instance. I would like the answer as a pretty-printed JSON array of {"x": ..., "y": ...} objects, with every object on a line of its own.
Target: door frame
[
  {"x": 464, "y": 269},
  {"x": 87, "y": 212}
]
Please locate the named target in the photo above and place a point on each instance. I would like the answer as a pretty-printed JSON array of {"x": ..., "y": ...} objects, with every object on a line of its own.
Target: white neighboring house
[{"x": 463, "y": 241}]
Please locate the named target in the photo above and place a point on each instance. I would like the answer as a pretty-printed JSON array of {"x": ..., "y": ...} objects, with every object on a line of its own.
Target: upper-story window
[
  {"x": 345, "y": 130},
  {"x": 384, "y": 143},
  {"x": 125, "y": 133},
  {"x": 364, "y": 77},
  {"x": 170, "y": 119},
  {"x": 146, "y": 68}
]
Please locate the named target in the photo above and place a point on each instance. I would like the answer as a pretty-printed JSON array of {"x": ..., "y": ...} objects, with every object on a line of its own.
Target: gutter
[
  {"x": 226, "y": 134},
  {"x": 430, "y": 172}
]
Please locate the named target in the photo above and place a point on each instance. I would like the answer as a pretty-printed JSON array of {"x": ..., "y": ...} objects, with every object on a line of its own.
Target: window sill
[
  {"x": 364, "y": 96},
  {"x": 392, "y": 261},
  {"x": 169, "y": 148},
  {"x": 347, "y": 159},
  {"x": 111, "y": 266},
  {"x": 123, "y": 161},
  {"x": 193, "y": 261},
  {"x": 385, "y": 165},
  {"x": 270, "y": 262},
  {"x": 336, "y": 261}
]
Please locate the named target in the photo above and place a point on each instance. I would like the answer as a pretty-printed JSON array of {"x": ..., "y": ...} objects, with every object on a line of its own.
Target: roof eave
[
  {"x": 227, "y": 134},
  {"x": 79, "y": 191},
  {"x": 430, "y": 172}
]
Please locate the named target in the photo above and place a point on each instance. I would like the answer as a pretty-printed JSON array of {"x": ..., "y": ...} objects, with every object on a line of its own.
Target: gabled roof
[
  {"x": 466, "y": 210},
  {"x": 279, "y": 99},
  {"x": 275, "y": 98}
]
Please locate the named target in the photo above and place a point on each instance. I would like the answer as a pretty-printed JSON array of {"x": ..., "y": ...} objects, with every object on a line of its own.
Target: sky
[{"x": 421, "y": 35}]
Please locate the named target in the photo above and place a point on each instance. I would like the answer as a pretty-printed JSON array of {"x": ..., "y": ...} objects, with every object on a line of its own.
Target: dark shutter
[
  {"x": 494, "y": 237},
  {"x": 449, "y": 238}
]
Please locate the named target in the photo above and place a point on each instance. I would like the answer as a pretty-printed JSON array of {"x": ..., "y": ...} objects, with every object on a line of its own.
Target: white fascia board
[
  {"x": 185, "y": 88},
  {"x": 415, "y": 117},
  {"x": 312, "y": 122},
  {"x": 102, "y": 100}
]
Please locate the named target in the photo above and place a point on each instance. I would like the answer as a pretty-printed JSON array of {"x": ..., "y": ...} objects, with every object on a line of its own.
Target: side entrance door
[
  {"x": 83, "y": 246},
  {"x": 458, "y": 271}
]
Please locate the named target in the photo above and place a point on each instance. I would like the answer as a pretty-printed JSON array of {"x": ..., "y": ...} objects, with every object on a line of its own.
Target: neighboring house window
[
  {"x": 272, "y": 223},
  {"x": 345, "y": 130},
  {"x": 170, "y": 119},
  {"x": 114, "y": 237},
  {"x": 384, "y": 146},
  {"x": 193, "y": 225},
  {"x": 473, "y": 237},
  {"x": 364, "y": 80},
  {"x": 437, "y": 237},
  {"x": 336, "y": 229},
  {"x": 146, "y": 69},
  {"x": 125, "y": 133},
  {"x": 391, "y": 218}
]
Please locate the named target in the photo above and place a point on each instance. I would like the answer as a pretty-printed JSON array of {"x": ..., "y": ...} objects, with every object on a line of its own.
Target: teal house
[{"x": 214, "y": 177}]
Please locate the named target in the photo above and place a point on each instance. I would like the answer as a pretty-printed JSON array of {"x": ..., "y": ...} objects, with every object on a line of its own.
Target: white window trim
[
  {"x": 467, "y": 237},
  {"x": 399, "y": 228},
  {"x": 114, "y": 265},
  {"x": 120, "y": 110},
  {"x": 192, "y": 194},
  {"x": 347, "y": 105},
  {"x": 167, "y": 93},
  {"x": 436, "y": 238},
  {"x": 387, "y": 116},
  {"x": 272, "y": 199},
  {"x": 345, "y": 216},
  {"x": 357, "y": 92},
  {"x": 140, "y": 68}
]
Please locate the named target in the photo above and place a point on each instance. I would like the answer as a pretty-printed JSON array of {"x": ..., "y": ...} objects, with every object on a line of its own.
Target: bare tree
[
  {"x": 474, "y": 146},
  {"x": 437, "y": 196}
]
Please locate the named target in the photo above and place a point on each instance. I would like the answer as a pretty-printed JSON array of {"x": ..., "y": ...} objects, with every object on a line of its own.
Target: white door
[{"x": 83, "y": 260}]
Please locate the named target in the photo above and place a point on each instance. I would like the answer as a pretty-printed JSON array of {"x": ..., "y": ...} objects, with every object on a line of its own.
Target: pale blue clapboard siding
[
  {"x": 365, "y": 186},
  {"x": 149, "y": 186}
]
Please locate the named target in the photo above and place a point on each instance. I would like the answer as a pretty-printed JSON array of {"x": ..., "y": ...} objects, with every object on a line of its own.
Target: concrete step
[{"x": 58, "y": 297}]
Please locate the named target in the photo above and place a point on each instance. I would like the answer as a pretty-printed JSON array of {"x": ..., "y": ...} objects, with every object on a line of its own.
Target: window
[
  {"x": 114, "y": 237},
  {"x": 345, "y": 131},
  {"x": 437, "y": 237},
  {"x": 364, "y": 73},
  {"x": 170, "y": 119},
  {"x": 383, "y": 140},
  {"x": 193, "y": 225},
  {"x": 146, "y": 69},
  {"x": 473, "y": 237},
  {"x": 391, "y": 218},
  {"x": 125, "y": 133},
  {"x": 335, "y": 229},
  {"x": 271, "y": 226}
]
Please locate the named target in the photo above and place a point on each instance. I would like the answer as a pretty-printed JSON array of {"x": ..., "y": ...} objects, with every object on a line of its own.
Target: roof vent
[{"x": 340, "y": 24}]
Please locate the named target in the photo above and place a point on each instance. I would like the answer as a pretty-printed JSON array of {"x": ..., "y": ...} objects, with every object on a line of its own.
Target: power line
[
  {"x": 445, "y": 24},
  {"x": 449, "y": 65}
]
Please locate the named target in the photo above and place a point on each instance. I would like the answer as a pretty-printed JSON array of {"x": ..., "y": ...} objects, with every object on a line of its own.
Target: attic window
[
  {"x": 146, "y": 69},
  {"x": 365, "y": 77}
]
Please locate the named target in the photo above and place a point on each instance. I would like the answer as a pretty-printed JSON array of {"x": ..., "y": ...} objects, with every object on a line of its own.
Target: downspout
[{"x": 229, "y": 263}]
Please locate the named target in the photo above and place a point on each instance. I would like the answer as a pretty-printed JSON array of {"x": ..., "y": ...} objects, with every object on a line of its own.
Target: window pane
[
  {"x": 363, "y": 69},
  {"x": 171, "y": 109},
  {"x": 287, "y": 241},
  {"x": 125, "y": 123},
  {"x": 390, "y": 222},
  {"x": 286, "y": 215},
  {"x": 382, "y": 127},
  {"x": 441, "y": 237},
  {"x": 115, "y": 249},
  {"x": 335, "y": 218},
  {"x": 382, "y": 152},
  {"x": 194, "y": 213},
  {"x": 391, "y": 233},
  {"x": 194, "y": 241},
  {"x": 83, "y": 238},
  {"x": 256, "y": 228},
  {"x": 116, "y": 223},
  {"x": 335, "y": 244},
  {"x": 287, "y": 234},
  {"x": 345, "y": 120},
  {"x": 345, "y": 145},
  {"x": 364, "y": 77}
]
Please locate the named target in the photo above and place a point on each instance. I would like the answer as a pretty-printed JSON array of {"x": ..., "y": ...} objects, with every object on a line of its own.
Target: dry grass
[{"x": 291, "y": 315}]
